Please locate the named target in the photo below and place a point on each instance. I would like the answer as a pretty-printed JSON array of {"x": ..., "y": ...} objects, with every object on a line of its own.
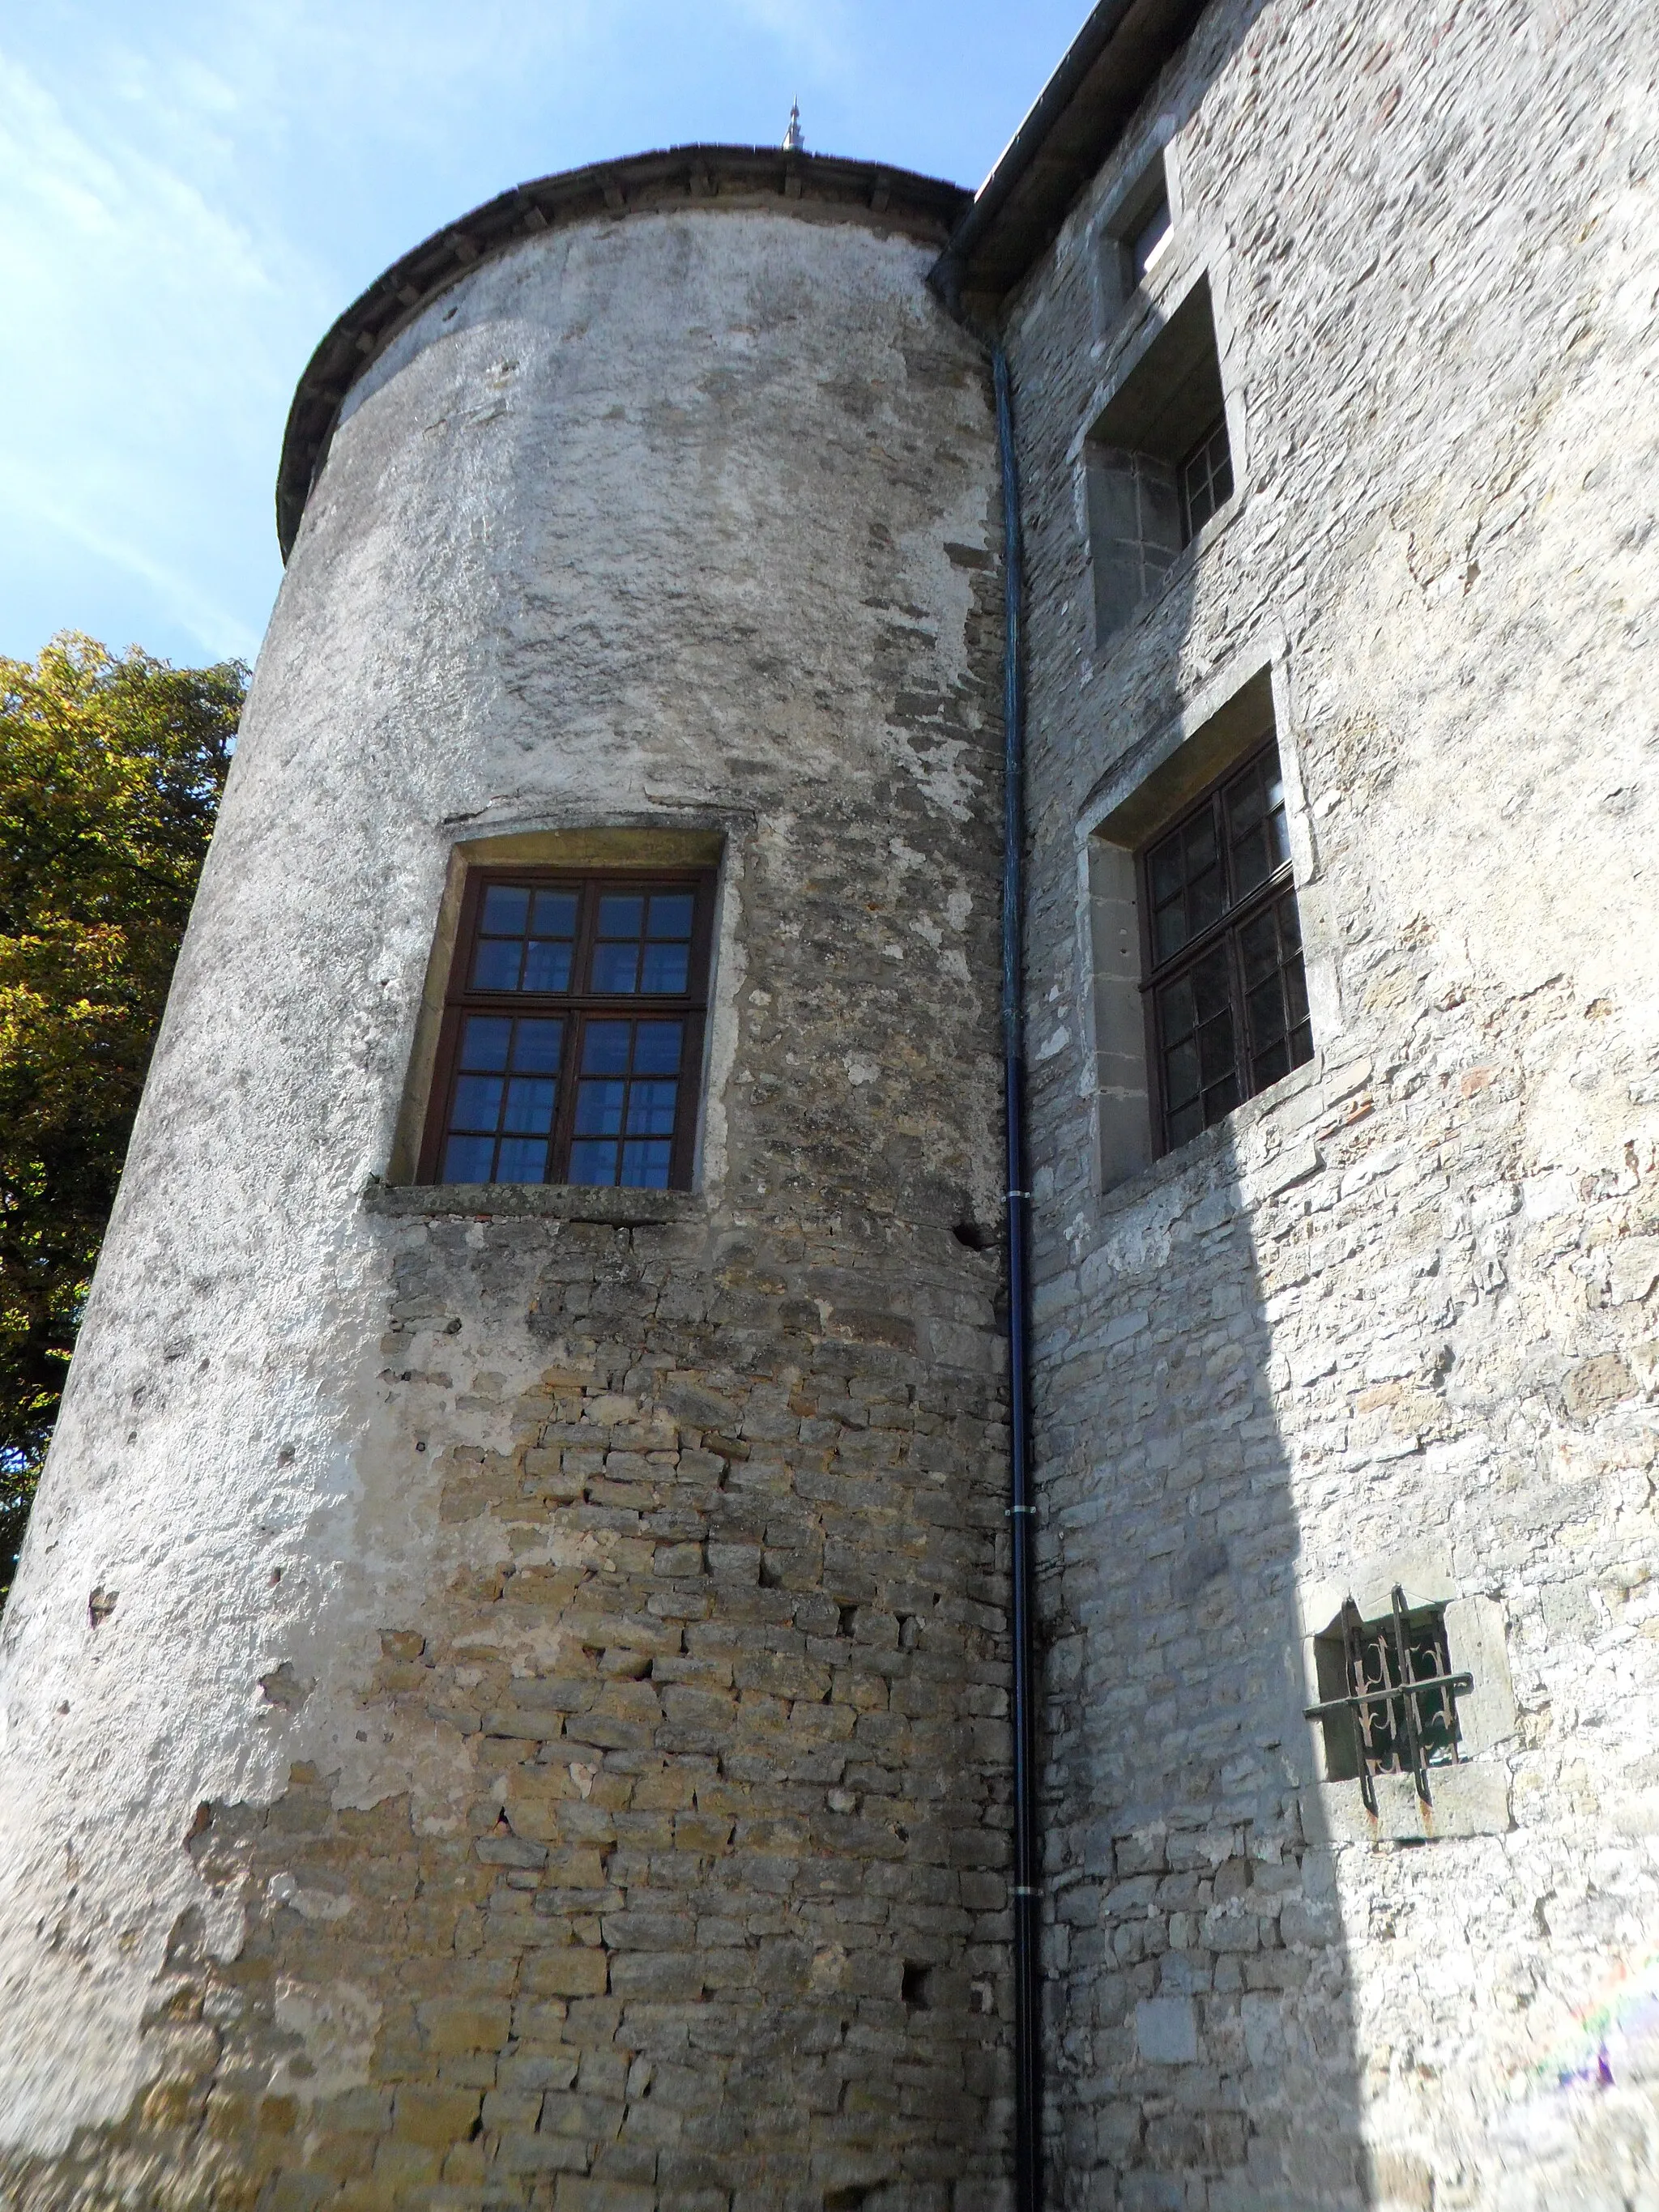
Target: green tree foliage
[{"x": 111, "y": 769}]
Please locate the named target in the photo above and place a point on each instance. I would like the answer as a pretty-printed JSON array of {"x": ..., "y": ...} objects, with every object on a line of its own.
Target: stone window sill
[
  {"x": 491, "y": 1202},
  {"x": 1471, "y": 1799}
]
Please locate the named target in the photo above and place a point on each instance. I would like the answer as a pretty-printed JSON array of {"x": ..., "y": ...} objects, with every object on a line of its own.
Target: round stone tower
[{"x": 504, "y": 1699}]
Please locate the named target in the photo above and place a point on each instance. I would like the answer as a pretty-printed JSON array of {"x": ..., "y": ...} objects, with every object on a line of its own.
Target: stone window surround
[
  {"x": 1168, "y": 297},
  {"x": 1468, "y": 1798},
  {"x": 1117, "y": 310},
  {"x": 574, "y": 838},
  {"x": 1144, "y": 789}
]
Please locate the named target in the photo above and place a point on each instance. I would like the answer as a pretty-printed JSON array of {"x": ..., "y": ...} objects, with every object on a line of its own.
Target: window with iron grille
[
  {"x": 1225, "y": 992},
  {"x": 1387, "y": 1695},
  {"x": 572, "y": 1039},
  {"x": 1205, "y": 479}
]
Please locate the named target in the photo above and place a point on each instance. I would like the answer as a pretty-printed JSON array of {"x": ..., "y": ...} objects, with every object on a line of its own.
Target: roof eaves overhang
[
  {"x": 1075, "y": 120},
  {"x": 813, "y": 186}
]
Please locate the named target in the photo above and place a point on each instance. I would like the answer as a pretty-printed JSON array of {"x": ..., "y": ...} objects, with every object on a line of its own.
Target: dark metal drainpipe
[{"x": 1028, "y": 1978}]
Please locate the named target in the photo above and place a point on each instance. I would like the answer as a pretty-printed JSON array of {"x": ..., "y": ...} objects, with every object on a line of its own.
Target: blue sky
[{"x": 191, "y": 190}]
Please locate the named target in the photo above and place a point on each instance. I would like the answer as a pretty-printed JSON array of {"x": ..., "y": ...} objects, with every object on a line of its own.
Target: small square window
[
  {"x": 573, "y": 1034},
  {"x": 1135, "y": 236},
  {"x": 1388, "y": 1694}
]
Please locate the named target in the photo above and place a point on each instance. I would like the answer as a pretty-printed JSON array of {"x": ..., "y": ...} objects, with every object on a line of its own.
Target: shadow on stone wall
[{"x": 1202, "y": 2046}]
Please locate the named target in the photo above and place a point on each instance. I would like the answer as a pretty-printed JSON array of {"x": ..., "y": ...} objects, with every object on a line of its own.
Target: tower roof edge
[{"x": 815, "y": 186}]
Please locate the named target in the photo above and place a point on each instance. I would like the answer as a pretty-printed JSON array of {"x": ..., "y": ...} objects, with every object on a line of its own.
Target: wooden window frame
[
  {"x": 1225, "y": 929},
  {"x": 577, "y": 1006}
]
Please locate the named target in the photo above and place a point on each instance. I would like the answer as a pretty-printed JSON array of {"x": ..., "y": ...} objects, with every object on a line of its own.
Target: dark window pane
[
  {"x": 1216, "y": 1057},
  {"x": 484, "y": 1041},
  {"x": 592, "y": 1163},
  {"x": 1185, "y": 1124},
  {"x": 469, "y": 1159},
  {"x": 1219, "y": 1101},
  {"x": 657, "y": 1048},
  {"x": 506, "y": 911},
  {"x": 599, "y": 1108},
  {"x": 1176, "y": 1010},
  {"x": 536, "y": 1047},
  {"x": 1210, "y": 982},
  {"x": 670, "y": 914},
  {"x": 1264, "y": 1012},
  {"x": 604, "y": 1047},
  {"x": 496, "y": 966},
  {"x": 1296, "y": 989},
  {"x": 523, "y": 1159},
  {"x": 529, "y": 1105},
  {"x": 1251, "y": 863},
  {"x": 546, "y": 965},
  {"x": 651, "y": 1109},
  {"x": 1267, "y": 1067},
  {"x": 621, "y": 915},
  {"x": 666, "y": 967},
  {"x": 645, "y": 1166},
  {"x": 477, "y": 1102},
  {"x": 1181, "y": 1075},
  {"x": 1164, "y": 869},
  {"x": 1258, "y": 944},
  {"x": 615, "y": 967},
  {"x": 1169, "y": 929},
  {"x": 554, "y": 913}
]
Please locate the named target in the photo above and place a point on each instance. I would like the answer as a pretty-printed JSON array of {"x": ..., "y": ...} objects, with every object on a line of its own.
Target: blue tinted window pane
[
  {"x": 477, "y": 1102},
  {"x": 599, "y": 1108},
  {"x": 469, "y": 1159},
  {"x": 645, "y": 1166},
  {"x": 505, "y": 909},
  {"x": 529, "y": 1105},
  {"x": 615, "y": 967},
  {"x": 621, "y": 915},
  {"x": 656, "y": 1048},
  {"x": 546, "y": 966},
  {"x": 496, "y": 966},
  {"x": 524, "y": 1159},
  {"x": 536, "y": 1047},
  {"x": 592, "y": 1163},
  {"x": 651, "y": 1109},
  {"x": 604, "y": 1048},
  {"x": 666, "y": 967},
  {"x": 554, "y": 913},
  {"x": 670, "y": 914},
  {"x": 485, "y": 1041}
]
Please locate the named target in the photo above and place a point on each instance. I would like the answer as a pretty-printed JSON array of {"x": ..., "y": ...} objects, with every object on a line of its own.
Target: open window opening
[
  {"x": 1159, "y": 462},
  {"x": 1137, "y": 235},
  {"x": 571, "y": 1044},
  {"x": 1387, "y": 1695}
]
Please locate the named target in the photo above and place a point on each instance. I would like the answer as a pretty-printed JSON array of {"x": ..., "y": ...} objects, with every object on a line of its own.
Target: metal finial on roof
[{"x": 793, "y": 141}]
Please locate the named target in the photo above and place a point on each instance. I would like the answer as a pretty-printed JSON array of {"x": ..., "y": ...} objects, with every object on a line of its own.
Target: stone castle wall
[
  {"x": 558, "y": 1658},
  {"x": 1396, "y": 1316}
]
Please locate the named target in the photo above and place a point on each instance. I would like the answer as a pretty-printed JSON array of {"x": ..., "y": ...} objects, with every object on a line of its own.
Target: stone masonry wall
[
  {"x": 1400, "y": 1307},
  {"x": 696, "y": 1898}
]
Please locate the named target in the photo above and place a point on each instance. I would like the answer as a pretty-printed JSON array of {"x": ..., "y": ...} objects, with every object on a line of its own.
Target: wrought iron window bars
[{"x": 1391, "y": 1667}]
